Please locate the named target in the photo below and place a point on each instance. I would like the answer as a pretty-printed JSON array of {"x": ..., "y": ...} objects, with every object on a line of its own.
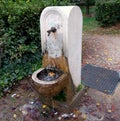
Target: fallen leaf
[
  {"x": 14, "y": 115},
  {"x": 17, "y": 96},
  {"x": 109, "y": 111},
  {"x": 97, "y": 103},
  {"x": 44, "y": 106},
  {"x": 84, "y": 116},
  {"x": 109, "y": 96},
  {"x": 109, "y": 59}
]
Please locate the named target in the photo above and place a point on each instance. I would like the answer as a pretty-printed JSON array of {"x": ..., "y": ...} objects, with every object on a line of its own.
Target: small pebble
[
  {"x": 55, "y": 113},
  {"x": 13, "y": 95},
  {"x": 74, "y": 116},
  {"x": 71, "y": 114},
  {"x": 24, "y": 112},
  {"x": 65, "y": 115},
  {"x": 59, "y": 118},
  {"x": 32, "y": 102}
]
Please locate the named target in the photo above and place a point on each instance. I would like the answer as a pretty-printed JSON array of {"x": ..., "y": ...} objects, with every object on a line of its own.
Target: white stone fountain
[
  {"x": 69, "y": 20},
  {"x": 61, "y": 40}
]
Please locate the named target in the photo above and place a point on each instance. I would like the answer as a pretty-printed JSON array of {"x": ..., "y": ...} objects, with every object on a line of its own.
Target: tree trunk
[
  {"x": 87, "y": 10},
  {"x": 87, "y": 7}
]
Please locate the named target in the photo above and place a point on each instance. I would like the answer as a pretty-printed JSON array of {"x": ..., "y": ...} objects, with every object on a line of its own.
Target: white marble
[
  {"x": 68, "y": 21},
  {"x": 54, "y": 43}
]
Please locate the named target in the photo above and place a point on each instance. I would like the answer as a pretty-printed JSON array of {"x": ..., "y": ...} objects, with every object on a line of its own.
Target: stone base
[
  {"x": 47, "y": 92},
  {"x": 72, "y": 99},
  {"x": 64, "y": 83},
  {"x": 68, "y": 105}
]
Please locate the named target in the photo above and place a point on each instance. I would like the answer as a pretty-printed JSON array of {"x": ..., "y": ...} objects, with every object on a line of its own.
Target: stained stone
[{"x": 68, "y": 22}]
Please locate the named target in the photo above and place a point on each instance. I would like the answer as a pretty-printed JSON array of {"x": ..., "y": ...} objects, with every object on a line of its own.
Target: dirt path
[
  {"x": 104, "y": 51},
  {"x": 100, "y": 50}
]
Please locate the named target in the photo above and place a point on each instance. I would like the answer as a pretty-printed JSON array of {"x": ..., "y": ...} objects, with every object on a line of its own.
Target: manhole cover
[{"x": 100, "y": 78}]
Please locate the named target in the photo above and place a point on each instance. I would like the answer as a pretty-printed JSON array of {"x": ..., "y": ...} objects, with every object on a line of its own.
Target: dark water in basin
[{"x": 49, "y": 74}]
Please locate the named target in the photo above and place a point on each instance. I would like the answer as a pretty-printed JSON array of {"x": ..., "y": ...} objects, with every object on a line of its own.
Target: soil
[{"x": 21, "y": 103}]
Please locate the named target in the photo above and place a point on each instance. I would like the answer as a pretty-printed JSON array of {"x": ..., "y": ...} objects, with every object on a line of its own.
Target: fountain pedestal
[
  {"x": 61, "y": 40},
  {"x": 48, "y": 89}
]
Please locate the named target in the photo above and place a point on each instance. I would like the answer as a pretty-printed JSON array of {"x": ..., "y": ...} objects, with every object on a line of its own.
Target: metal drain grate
[{"x": 100, "y": 78}]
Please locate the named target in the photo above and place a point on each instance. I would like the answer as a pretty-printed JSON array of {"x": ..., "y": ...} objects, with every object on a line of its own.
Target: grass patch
[
  {"x": 91, "y": 10},
  {"x": 79, "y": 88},
  {"x": 89, "y": 24}
]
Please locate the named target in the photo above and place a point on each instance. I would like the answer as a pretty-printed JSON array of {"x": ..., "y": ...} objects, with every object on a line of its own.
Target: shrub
[
  {"x": 22, "y": 46},
  {"x": 107, "y": 12},
  {"x": 84, "y": 2},
  {"x": 56, "y": 2},
  {"x": 20, "y": 34},
  {"x": 89, "y": 2}
]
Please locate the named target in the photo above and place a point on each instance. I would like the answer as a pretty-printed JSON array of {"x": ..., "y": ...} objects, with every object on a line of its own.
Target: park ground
[{"x": 100, "y": 48}]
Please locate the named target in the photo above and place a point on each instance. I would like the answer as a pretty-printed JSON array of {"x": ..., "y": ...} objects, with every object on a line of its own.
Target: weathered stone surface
[
  {"x": 60, "y": 63},
  {"x": 50, "y": 88},
  {"x": 68, "y": 21}
]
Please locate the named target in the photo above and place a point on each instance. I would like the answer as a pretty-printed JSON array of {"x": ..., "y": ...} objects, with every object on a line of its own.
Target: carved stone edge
[
  {"x": 64, "y": 106},
  {"x": 68, "y": 107},
  {"x": 77, "y": 98}
]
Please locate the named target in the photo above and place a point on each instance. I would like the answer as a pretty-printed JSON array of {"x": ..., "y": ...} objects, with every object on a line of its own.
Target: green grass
[
  {"x": 83, "y": 8},
  {"x": 89, "y": 24}
]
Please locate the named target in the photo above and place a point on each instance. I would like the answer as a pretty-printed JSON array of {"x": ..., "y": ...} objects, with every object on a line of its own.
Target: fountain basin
[{"x": 48, "y": 88}]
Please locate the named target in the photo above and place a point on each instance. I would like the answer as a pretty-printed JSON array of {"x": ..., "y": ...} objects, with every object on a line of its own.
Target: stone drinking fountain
[{"x": 61, "y": 40}]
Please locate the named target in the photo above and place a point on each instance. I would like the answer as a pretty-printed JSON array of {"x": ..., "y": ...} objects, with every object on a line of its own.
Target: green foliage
[
  {"x": 19, "y": 32},
  {"x": 79, "y": 88},
  {"x": 55, "y": 2},
  {"x": 107, "y": 12},
  {"x": 84, "y": 2},
  {"x": 89, "y": 2},
  {"x": 89, "y": 24}
]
